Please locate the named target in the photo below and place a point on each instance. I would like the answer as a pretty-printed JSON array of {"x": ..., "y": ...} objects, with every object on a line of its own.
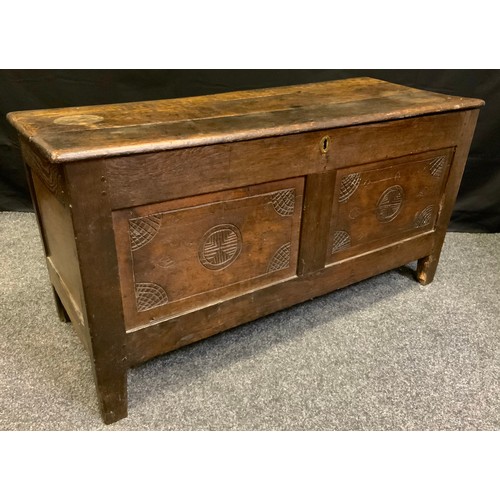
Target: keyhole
[{"x": 324, "y": 144}]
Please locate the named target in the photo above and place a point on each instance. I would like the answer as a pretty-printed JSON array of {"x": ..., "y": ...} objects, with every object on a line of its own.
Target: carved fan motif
[
  {"x": 143, "y": 230},
  {"x": 280, "y": 259},
  {"x": 424, "y": 217},
  {"x": 149, "y": 296},
  {"x": 341, "y": 241},
  {"x": 284, "y": 202},
  {"x": 348, "y": 186},
  {"x": 436, "y": 165}
]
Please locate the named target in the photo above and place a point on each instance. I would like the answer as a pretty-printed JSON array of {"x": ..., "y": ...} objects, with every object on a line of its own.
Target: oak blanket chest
[{"x": 165, "y": 222}]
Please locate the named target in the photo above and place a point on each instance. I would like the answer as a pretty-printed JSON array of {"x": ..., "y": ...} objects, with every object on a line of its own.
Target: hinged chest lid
[{"x": 77, "y": 133}]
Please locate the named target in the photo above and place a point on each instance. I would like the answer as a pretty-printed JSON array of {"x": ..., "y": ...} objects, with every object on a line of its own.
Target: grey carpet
[{"x": 384, "y": 354}]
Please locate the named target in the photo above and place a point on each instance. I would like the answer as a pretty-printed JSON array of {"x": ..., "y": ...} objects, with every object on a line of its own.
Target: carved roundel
[
  {"x": 390, "y": 203},
  {"x": 220, "y": 246}
]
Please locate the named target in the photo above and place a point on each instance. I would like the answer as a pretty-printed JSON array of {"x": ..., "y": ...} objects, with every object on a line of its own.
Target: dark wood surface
[
  {"x": 427, "y": 266},
  {"x": 61, "y": 249},
  {"x": 69, "y": 134},
  {"x": 48, "y": 190},
  {"x": 378, "y": 203},
  {"x": 171, "y": 221},
  {"x": 185, "y": 254},
  {"x": 316, "y": 221},
  {"x": 160, "y": 338},
  {"x": 95, "y": 243},
  {"x": 149, "y": 178}
]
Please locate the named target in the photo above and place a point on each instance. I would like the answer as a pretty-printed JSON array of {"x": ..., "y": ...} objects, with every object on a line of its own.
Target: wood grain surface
[
  {"x": 182, "y": 255},
  {"x": 95, "y": 244},
  {"x": 69, "y": 134},
  {"x": 377, "y": 203},
  {"x": 166, "y": 336}
]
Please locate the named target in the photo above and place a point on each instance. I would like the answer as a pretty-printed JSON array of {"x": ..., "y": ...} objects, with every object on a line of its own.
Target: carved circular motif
[
  {"x": 220, "y": 246},
  {"x": 390, "y": 203},
  {"x": 78, "y": 120}
]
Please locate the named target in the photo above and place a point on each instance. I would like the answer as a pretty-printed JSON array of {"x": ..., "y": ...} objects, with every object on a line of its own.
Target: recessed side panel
[
  {"x": 379, "y": 203},
  {"x": 62, "y": 259},
  {"x": 182, "y": 255}
]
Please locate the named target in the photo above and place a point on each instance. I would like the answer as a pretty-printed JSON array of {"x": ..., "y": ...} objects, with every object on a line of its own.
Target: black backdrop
[{"x": 478, "y": 203}]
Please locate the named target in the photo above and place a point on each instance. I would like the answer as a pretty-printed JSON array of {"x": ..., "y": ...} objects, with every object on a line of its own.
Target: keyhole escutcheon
[{"x": 324, "y": 144}]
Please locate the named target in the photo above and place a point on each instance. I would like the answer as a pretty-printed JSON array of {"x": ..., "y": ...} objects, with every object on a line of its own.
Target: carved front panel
[
  {"x": 382, "y": 202},
  {"x": 185, "y": 254}
]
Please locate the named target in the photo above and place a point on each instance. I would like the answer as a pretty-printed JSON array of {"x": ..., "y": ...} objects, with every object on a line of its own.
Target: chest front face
[{"x": 198, "y": 226}]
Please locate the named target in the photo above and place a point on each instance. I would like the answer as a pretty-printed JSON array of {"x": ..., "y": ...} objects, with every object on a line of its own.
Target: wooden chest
[{"x": 166, "y": 222}]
